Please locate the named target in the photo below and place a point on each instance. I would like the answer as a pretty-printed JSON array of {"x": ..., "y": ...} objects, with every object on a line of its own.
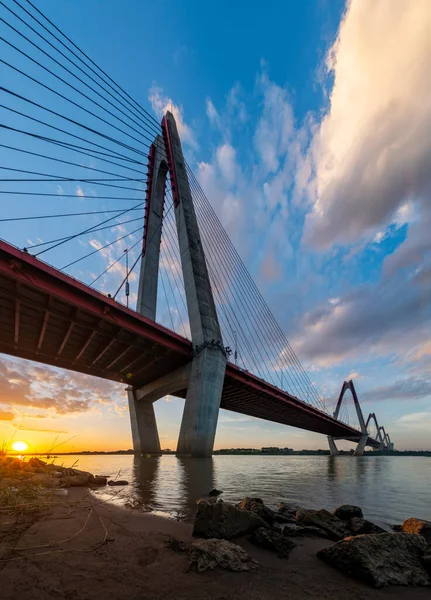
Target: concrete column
[
  {"x": 203, "y": 398},
  {"x": 332, "y": 446},
  {"x": 143, "y": 420},
  {"x": 149, "y": 273},
  {"x": 359, "y": 450},
  {"x": 143, "y": 424}
]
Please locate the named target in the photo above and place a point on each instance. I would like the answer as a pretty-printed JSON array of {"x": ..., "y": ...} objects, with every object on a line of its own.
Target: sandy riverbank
[{"x": 114, "y": 553}]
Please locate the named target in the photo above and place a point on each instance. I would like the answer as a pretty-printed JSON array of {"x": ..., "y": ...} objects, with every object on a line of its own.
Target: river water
[{"x": 388, "y": 488}]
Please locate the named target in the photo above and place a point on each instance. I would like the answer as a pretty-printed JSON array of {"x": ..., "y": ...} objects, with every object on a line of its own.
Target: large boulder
[
  {"x": 117, "y": 482},
  {"x": 99, "y": 480},
  {"x": 380, "y": 560},
  {"x": 359, "y": 526},
  {"x": 290, "y": 530},
  {"x": 273, "y": 540},
  {"x": 348, "y": 511},
  {"x": 334, "y": 527},
  {"x": 224, "y": 521},
  {"x": 76, "y": 480},
  {"x": 418, "y": 526},
  {"x": 209, "y": 554},
  {"x": 426, "y": 561},
  {"x": 257, "y": 506},
  {"x": 286, "y": 513},
  {"x": 43, "y": 479}
]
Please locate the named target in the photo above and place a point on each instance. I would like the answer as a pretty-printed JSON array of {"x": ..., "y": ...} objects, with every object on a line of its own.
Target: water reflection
[
  {"x": 197, "y": 480},
  {"x": 175, "y": 487},
  {"x": 145, "y": 474},
  {"x": 389, "y": 489}
]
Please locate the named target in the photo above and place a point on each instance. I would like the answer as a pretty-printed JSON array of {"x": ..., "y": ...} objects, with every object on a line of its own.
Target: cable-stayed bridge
[{"x": 99, "y": 189}]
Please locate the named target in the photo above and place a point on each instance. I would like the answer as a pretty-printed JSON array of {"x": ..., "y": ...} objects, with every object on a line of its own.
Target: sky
[{"x": 307, "y": 125}]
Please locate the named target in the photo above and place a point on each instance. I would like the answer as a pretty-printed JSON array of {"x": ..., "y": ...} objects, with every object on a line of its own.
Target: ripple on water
[{"x": 388, "y": 488}]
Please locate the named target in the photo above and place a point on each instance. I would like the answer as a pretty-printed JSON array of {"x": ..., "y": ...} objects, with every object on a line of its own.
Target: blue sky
[{"x": 305, "y": 123}]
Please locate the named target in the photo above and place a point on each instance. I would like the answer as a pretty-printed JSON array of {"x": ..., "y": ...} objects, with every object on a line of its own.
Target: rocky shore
[{"x": 77, "y": 546}]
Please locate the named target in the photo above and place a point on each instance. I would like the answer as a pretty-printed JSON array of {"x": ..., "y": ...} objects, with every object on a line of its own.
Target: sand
[{"x": 108, "y": 552}]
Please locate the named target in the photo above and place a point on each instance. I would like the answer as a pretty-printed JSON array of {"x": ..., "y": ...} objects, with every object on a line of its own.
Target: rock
[
  {"x": 79, "y": 472},
  {"x": 176, "y": 545},
  {"x": 273, "y": 540},
  {"x": 397, "y": 528},
  {"x": 223, "y": 520},
  {"x": 419, "y": 526},
  {"x": 348, "y": 511},
  {"x": 257, "y": 506},
  {"x": 99, "y": 480},
  {"x": 36, "y": 465},
  {"x": 75, "y": 480},
  {"x": 289, "y": 510},
  {"x": 359, "y": 526},
  {"x": 211, "y": 499},
  {"x": 380, "y": 560},
  {"x": 306, "y": 530},
  {"x": 212, "y": 553},
  {"x": 334, "y": 527},
  {"x": 117, "y": 482},
  {"x": 215, "y": 492},
  {"x": 426, "y": 561},
  {"x": 284, "y": 517},
  {"x": 43, "y": 479}
]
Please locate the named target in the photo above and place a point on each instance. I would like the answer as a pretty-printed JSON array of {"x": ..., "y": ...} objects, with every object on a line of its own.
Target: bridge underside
[{"x": 49, "y": 317}]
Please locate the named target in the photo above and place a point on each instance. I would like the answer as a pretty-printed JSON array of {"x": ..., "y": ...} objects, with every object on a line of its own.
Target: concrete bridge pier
[
  {"x": 359, "y": 450},
  {"x": 141, "y": 406},
  {"x": 143, "y": 424},
  {"x": 333, "y": 450}
]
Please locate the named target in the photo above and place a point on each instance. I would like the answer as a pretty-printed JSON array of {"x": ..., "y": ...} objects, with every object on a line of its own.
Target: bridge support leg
[
  {"x": 205, "y": 387},
  {"x": 144, "y": 426},
  {"x": 199, "y": 424},
  {"x": 333, "y": 450},
  {"x": 359, "y": 450}
]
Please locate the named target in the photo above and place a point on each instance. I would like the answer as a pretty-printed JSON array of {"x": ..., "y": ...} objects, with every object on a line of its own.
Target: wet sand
[{"x": 107, "y": 552}]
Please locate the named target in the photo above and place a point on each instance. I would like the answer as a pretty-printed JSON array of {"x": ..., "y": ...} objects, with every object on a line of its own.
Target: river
[{"x": 388, "y": 488}]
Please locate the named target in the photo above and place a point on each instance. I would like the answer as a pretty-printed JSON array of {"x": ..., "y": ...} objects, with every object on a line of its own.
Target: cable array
[
  {"x": 73, "y": 151},
  {"x": 249, "y": 327}
]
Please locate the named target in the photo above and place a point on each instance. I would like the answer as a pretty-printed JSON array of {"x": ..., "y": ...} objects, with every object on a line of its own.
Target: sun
[{"x": 19, "y": 446}]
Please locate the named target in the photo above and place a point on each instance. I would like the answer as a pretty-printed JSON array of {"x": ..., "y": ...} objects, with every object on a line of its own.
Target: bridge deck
[{"x": 49, "y": 317}]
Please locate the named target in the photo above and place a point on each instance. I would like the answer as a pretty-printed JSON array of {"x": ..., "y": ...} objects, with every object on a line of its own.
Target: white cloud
[
  {"x": 161, "y": 104},
  {"x": 371, "y": 153},
  {"x": 79, "y": 192},
  {"x": 415, "y": 417},
  {"x": 212, "y": 113},
  {"x": 276, "y": 125},
  {"x": 226, "y": 160},
  {"x": 353, "y": 375}
]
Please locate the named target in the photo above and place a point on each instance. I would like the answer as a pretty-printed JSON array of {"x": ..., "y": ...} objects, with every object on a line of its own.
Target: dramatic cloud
[
  {"x": 383, "y": 319},
  {"x": 411, "y": 388},
  {"x": 372, "y": 150},
  {"x": 24, "y": 384}
]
